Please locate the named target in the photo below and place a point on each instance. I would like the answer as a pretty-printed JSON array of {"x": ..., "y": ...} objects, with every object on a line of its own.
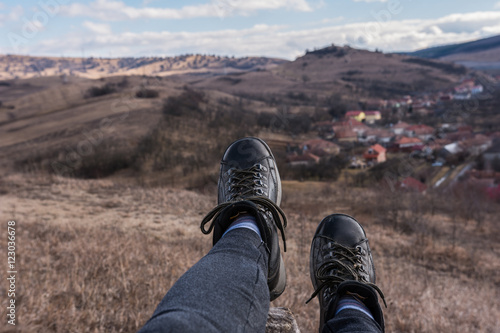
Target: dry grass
[
  {"x": 90, "y": 279},
  {"x": 98, "y": 256}
]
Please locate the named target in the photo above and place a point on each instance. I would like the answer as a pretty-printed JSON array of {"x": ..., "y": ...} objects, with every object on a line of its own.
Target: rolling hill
[
  {"x": 483, "y": 54},
  {"x": 22, "y": 67},
  {"x": 341, "y": 70}
]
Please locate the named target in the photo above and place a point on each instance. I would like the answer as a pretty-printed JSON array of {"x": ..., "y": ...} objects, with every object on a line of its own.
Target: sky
[{"x": 271, "y": 28}]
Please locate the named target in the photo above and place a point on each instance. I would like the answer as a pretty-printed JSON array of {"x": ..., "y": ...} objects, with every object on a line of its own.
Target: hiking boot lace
[
  {"x": 247, "y": 182},
  {"x": 345, "y": 264},
  {"x": 248, "y": 185}
]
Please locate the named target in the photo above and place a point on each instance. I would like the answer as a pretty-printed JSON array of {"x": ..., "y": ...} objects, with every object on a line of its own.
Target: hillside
[
  {"x": 481, "y": 54},
  {"x": 21, "y": 67},
  {"x": 342, "y": 70}
]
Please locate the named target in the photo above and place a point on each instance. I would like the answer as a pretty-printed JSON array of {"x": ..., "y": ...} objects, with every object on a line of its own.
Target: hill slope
[
  {"x": 13, "y": 66},
  {"x": 479, "y": 54},
  {"x": 342, "y": 70}
]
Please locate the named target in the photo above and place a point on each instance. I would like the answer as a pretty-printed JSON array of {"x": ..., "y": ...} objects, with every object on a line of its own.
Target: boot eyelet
[{"x": 260, "y": 167}]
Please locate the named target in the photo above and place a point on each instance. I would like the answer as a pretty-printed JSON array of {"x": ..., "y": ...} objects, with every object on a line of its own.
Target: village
[{"x": 442, "y": 138}]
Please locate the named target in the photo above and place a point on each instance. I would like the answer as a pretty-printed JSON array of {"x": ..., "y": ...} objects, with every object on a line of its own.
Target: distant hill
[
  {"x": 342, "y": 70},
  {"x": 480, "y": 54},
  {"x": 22, "y": 67}
]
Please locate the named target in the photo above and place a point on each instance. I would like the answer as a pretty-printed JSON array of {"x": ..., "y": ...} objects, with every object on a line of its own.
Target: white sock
[{"x": 244, "y": 221}]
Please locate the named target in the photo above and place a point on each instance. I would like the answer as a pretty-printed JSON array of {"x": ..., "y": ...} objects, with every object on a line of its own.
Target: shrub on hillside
[
  {"x": 298, "y": 96},
  {"x": 104, "y": 161},
  {"x": 97, "y": 161},
  {"x": 146, "y": 93},
  {"x": 95, "y": 91},
  {"x": 298, "y": 124},
  {"x": 187, "y": 103}
]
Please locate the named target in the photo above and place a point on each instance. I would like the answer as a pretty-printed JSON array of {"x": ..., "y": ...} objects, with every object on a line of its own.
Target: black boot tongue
[
  {"x": 246, "y": 154},
  {"x": 344, "y": 231}
]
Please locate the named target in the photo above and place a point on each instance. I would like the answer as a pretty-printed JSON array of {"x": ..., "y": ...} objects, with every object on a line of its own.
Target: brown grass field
[{"x": 98, "y": 255}]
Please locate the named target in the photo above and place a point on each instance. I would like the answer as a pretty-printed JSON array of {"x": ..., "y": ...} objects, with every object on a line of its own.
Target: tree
[
  {"x": 337, "y": 108},
  {"x": 305, "y": 79}
]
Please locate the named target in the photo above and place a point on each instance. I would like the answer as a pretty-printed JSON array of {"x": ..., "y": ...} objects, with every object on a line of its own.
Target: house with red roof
[
  {"x": 346, "y": 135},
  {"x": 412, "y": 185},
  {"x": 357, "y": 126},
  {"x": 372, "y": 116},
  {"x": 476, "y": 145},
  {"x": 408, "y": 144},
  {"x": 306, "y": 159},
  {"x": 352, "y": 124},
  {"x": 384, "y": 136},
  {"x": 349, "y": 130},
  {"x": 375, "y": 154},
  {"x": 399, "y": 128},
  {"x": 325, "y": 129},
  {"x": 423, "y": 132},
  {"x": 373, "y": 135},
  {"x": 438, "y": 144},
  {"x": 370, "y": 135},
  {"x": 465, "y": 86},
  {"x": 459, "y": 136}
]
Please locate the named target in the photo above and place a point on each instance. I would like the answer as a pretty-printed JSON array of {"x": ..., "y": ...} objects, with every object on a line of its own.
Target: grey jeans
[{"x": 226, "y": 291}]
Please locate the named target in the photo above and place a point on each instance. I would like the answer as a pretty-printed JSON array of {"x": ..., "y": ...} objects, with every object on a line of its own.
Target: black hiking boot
[
  {"x": 249, "y": 183},
  {"x": 341, "y": 264}
]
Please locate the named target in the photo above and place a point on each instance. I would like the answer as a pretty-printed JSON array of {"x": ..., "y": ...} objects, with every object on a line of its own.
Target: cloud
[
  {"x": 467, "y": 23},
  {"x": 416, "y": 34},
  {"x": 98, "y": 28},
  {"x": 278, "y": 40},
  {"x": 13, "y": 15},
  {"x": 119, "y": 11},
  {"x": 16, "y": 13},
  {"x": 497, "y": 5}
]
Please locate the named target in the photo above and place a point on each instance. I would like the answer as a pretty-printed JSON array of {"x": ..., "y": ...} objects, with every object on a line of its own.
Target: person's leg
[
  {"x": 229, "y": 289},
  {"x": 226, "y": 291},
  {"x": 343, "y": 276}
]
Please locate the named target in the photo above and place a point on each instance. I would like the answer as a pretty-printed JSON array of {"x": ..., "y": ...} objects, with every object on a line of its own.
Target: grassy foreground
[{"x": 98, "y": 255}]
